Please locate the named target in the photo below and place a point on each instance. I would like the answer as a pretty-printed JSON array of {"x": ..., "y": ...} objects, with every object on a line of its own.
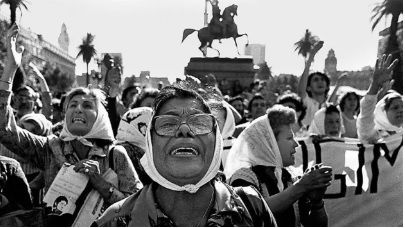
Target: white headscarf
[
  {"x": 129, "y": 129},
  {"x": 150, "y": 168},
  {"x": 101, "y": 128},
  {"x": 227, "y": 132},
  {"x": 229, "y": 126},
  {"x": 380, "y": 115},
  {"x": 318, "y": 123},
  {"x": 256, "y": 145}
]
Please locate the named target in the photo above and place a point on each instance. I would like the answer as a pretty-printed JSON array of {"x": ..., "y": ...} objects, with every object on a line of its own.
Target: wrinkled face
[
  {"x": 185, "y": 157},
  {"x": 395, "y": 112},
  {"x": 238, "y": 105},
  {"x": 333, "y": 124},
  {"x": 350, "y": 103},
  {"x": 114, "y": 76},
  {"x": 130, "y": 97},
  {"x": 24, "y": 102},
  {"x": 61, "y": 205},
  {"x": 81, "y": 114},
  {"x": 286, "y": 144},
  {"x": 258, "y": 108},
  {"x": 317, "y": 85},
  {"x": 147, "y": 102}
]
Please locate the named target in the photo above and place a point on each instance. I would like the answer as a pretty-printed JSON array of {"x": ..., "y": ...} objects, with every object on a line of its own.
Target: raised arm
[
  {"x": 46, "y": 96},
  {"x": 333, "y": 98},
  {"x": 365, "y": 121},
  {"x": 302, "y": 85},
  {"x": 17, "y": 140}
]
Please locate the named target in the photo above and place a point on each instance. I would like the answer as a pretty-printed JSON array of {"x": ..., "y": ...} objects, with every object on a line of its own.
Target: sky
[{"x": 148, "y": 33}]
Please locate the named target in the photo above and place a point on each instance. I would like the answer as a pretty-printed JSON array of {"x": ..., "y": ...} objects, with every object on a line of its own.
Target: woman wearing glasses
[{"x": 183, "y": 155}]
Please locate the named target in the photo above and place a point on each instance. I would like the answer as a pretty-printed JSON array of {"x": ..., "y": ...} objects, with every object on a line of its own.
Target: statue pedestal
[{"x": 233, "y": 74}]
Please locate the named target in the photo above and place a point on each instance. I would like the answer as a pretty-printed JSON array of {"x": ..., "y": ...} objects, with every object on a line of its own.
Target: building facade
[{"x": 40, "y": 51}]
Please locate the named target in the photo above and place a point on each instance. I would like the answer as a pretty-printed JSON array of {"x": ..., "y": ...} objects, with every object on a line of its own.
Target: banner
[{"x": 367, "y": 186}]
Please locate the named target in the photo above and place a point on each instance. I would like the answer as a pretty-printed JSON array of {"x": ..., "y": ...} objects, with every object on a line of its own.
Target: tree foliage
[
  {"x": 393, "y": 8},
  {"x": 14, "y": 5},
  {"x": 306, "y": 43},
  {"x": 87, "y": 51},
  {"x": 57, "y": 80}
]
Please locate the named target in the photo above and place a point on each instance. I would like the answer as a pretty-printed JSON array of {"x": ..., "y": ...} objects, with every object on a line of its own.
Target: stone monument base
[{"x": 232, "y": 74}]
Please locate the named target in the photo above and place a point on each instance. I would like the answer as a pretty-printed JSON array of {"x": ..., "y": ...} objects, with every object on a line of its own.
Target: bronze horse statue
[{"x": 208, "y": 34}]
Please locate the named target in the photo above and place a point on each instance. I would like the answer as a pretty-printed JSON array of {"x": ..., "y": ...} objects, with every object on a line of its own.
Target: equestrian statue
[{"x": 220, "y": 27}]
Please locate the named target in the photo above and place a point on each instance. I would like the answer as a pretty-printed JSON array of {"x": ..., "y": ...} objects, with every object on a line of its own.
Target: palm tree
[
  {"x": 306, "y": 43},
  {"x": 14, "y": 4},
  {"x": 88, "y": 52},
  {"x": 395, "y": 9}
]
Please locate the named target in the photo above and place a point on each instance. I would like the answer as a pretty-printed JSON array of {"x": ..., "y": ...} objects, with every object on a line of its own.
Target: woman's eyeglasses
[{"x": 199, "y": 124}]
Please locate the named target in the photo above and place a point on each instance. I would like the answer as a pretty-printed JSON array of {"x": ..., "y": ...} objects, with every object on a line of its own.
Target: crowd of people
[{"x": 183, "y": 154}]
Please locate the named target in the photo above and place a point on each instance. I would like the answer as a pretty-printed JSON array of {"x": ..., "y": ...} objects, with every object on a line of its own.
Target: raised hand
[
  {"x": 383, "y": 70},
  {"x": 316, "y": 177},
  {"x": 316, "y": 48},
  {"x": 14, "y": 54},
  {"x": 382, "y": 73}
]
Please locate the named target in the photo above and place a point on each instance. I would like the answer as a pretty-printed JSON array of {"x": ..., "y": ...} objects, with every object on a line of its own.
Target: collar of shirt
[{"x": 94, "y": 151}]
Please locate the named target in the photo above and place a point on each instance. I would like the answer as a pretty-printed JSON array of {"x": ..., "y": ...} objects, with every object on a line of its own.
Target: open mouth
[
  {"x": 78, "y": 120},
  {"x": 184, "y": 152}
]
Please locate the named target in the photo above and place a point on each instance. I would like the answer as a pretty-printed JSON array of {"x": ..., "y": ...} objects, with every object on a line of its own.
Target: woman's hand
[
  {"x": 317, "y": 177},
  {"x": 89, "y": 167},
  {"x": 92, "y": 170},
  {"x": 382, "y": 73},
  {"x": 14, "y": 54}
]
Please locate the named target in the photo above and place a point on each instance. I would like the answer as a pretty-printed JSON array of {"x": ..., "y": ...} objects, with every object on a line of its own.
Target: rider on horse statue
[{"x": 216, "y": 25}]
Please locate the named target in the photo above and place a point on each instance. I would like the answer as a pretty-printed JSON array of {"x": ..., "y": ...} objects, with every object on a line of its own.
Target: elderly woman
[
  {"x": 85, "y": 141},
  {"x": 385, "y": 118},
  {"x": 183, "y": 155},
  {"x": 327, "y": 122},
  {"x": 258, "y": 158},
  {"x": 131, "y": 135}
]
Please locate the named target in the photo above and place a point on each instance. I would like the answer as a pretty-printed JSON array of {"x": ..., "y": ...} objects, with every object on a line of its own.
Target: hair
[
  {"x": 329, "y": 109},
  {"x": 60, "y": 199},
  {"x": 345, "y": 96},
  {"x": 179, "y": 90},
  {"x": 389, "y": 98},
  {"x": 255, "y": 97},
  {"x": 147, "y": 92},
  {"x": 280, "y": 116},
  {"x": 213, "y": 98},
  {"x": 126, "y": 91},
  {"x": 296, "y": 100},
  {"x": 237, "y": 98},
  {"x": 322, "y": 75}
]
